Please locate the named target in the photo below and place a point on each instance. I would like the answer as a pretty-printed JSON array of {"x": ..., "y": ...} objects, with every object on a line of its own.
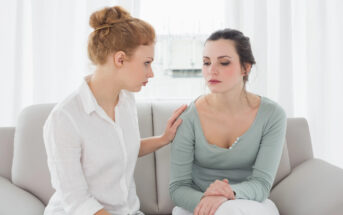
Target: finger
[
  {"x": 180, "y": 109},
  {"x": 172, "y": 119},
  {"x": 207, "y": 209},
  {"x": 225, "y": 180},
  {"x": 213, "y": 210},
  {"x": 198, "y": 208},
  {"x": 214, "y": 193},
  {"x": 212, "y": 189},
  {"x": 177, "y": 124},
  {"x": 202, "y": 210},
  {"x": 176, "y": 114}
]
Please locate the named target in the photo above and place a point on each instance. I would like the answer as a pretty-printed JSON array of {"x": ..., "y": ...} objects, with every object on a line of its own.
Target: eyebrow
[
  {"x": 218, "y": 57},
  {"x": 151, "y": 58}
]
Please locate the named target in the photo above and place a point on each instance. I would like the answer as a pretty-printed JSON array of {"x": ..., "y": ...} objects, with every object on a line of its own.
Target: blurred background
[{"x": 297, "y": 46}]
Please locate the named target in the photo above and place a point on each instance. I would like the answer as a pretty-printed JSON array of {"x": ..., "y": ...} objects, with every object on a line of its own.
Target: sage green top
[{"x": 250, "y": 164}]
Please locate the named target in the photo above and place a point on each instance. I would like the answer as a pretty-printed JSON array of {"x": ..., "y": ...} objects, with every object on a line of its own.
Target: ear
[
  {"x": 119, "y": 58},
  {"x": 246, "y": 69}
]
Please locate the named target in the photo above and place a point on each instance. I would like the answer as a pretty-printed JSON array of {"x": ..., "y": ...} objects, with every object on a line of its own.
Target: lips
[
  {"x": 145, "y": 83},
  {"x": 214, "y": 81}
]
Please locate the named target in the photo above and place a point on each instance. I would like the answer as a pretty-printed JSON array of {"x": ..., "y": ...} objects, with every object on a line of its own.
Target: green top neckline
[{"x": 238, "y": 138}]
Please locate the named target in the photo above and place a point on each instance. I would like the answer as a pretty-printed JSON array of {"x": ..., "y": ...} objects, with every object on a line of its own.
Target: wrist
[{"x": 163, "y": 140}]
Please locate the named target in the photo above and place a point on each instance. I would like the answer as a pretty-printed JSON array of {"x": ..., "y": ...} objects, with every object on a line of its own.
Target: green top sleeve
[
  {"x": 181, "y": 187},
  {"x": 258, "y": 185}
]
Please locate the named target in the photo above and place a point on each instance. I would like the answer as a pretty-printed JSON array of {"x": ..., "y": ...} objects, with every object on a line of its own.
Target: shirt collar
[
  {"x": 87, "y": 97},
  {"x": 88, "y": 100}
]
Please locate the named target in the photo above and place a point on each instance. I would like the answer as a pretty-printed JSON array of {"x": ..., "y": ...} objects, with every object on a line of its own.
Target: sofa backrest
[
  {"x": 29, "y": 167},
  {"x": 299, "y": 141},
  {"x": 6, "y": 151},
  {"x": 30, "y": 171}
]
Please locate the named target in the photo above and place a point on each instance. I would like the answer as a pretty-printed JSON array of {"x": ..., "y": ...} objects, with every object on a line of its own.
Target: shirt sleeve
[
  {"x": 63, "y": 146},
  {"x": 182, "y": 155},
  {"x": 257, "y": 186}
]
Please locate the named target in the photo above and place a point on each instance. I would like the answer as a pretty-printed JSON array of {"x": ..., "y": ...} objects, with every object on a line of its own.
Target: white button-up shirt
[{"x": 91, "y": 158}]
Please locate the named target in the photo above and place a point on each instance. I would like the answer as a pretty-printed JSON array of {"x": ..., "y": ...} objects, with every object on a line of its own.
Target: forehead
[
  {"x": 220, "y": 47},
  {"x": 144, "y": 51}
]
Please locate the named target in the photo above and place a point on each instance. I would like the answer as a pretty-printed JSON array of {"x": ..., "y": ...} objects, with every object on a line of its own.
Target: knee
[
  {"x": 229, "y": 208},
  {"x": 180, "y": 211}
]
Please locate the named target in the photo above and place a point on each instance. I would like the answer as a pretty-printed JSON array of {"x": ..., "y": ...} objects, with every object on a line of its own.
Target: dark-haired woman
[{"x": 226, "y": 153}]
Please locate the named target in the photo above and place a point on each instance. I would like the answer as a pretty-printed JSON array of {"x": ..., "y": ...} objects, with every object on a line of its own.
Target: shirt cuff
[{"x": 89, "y": 207}]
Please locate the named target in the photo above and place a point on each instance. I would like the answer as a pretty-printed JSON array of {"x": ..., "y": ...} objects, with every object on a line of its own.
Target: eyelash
[{"x": 224, "y": 64}]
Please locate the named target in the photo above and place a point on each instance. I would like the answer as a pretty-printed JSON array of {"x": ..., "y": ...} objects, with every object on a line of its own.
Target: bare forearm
[{"x": 151, "y": 144}]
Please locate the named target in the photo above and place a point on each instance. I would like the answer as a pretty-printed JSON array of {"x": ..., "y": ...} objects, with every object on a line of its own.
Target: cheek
[
  {"x": 231, "y": 72},
  {"x": 205, "y": 71},
  {"x": 136, "y": 72}
]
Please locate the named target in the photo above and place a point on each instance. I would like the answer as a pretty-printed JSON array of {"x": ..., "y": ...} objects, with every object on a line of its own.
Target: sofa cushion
[
  {"x": 145, "y": 177},
  {"x": 6, "y": 151},
  {"x": 284, "y": 166},
  {"x": 314, "y": 187},
  {"x": 162, "y": 111},
  {"x": 30, "y": 169},
  {"x": 16, "y": 201},
  {"x": 298, "y": 141}
]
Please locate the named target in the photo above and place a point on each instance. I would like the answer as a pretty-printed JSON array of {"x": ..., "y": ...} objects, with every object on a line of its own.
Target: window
[{"x": 182, "y": 28}]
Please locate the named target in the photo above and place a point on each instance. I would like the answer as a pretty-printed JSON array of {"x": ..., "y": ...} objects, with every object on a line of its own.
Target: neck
[
  {"x": 103, "y": 86},
  {"x": 232, "y": 102}
]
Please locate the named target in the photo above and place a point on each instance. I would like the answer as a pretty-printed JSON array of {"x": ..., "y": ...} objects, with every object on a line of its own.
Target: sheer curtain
[
  {"x": 297, "y": 46},
  {"x": 298, "y": 51},
  {"x": 44, "y": 51}
]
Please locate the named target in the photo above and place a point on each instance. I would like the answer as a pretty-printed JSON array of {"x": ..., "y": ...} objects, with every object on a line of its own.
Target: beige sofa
[{"x": 303, "y": 186}]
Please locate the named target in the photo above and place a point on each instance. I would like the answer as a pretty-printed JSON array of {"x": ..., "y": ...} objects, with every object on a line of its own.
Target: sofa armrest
[
  {"x": 314, "y": 187},
  {"x": 6, "y": 151},
  {"x": 16, "y": 201}
]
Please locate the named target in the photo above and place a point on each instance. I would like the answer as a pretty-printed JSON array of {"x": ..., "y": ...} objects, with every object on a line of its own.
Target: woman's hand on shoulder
[
  {"x": 173, "y": 123},
  {"x": 209, "y": 205},
  {"x": 220, "y": 188}
]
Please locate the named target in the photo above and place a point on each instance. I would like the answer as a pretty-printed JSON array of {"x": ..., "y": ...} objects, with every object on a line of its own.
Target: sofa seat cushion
[
  {"x": 314, "y": 187},
  {"x": 16, "y": 201}
]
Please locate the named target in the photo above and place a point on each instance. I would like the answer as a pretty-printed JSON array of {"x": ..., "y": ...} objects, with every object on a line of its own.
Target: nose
[
  {"x": 213, "y": 69},
  {"x": 150, "y": 73}
]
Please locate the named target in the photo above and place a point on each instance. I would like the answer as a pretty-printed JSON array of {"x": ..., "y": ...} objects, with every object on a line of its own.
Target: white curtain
[
  {"x": 298, "y": 48},
  {"x": 297, "y": 45}
]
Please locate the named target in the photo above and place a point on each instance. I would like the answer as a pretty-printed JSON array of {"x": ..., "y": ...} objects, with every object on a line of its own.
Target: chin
[
  {"x": 216, "y": 90},
  {"x": 137, "y": 89},
  {"x": 134, "y": 89}
]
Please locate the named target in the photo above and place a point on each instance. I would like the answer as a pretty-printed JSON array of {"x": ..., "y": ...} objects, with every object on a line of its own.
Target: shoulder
[
  {"x": 189, "y": 113},
  {"x": 272, "y": 108},
  {"x": 273, "y": 114},
  {"x": 64, "y": 111}
]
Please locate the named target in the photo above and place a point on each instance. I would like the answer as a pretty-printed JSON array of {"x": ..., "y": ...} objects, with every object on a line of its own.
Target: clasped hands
[{"x": 217, "y": 193}]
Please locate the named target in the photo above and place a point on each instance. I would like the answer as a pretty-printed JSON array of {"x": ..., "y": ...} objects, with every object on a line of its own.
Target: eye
[
  {"x": 225, "y": 63},
  {"x": 147, "y": 63},
  {"x": 206, "y": 63}
]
